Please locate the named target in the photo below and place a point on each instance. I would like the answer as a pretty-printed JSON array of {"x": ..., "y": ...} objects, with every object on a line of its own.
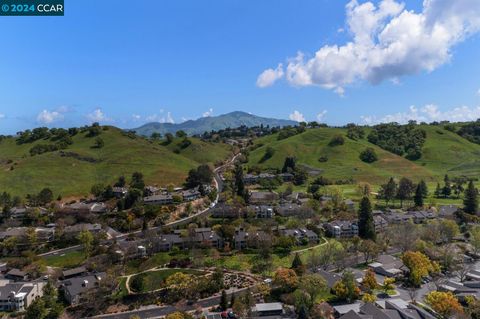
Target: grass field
[
  {"x": 156, "y": 279},
  {"x": 68, "y": 260},
  {"x": 121, "y": 155},
  {"x": 444, "y": 153}
]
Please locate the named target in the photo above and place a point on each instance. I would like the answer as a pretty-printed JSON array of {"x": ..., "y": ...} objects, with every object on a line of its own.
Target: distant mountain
[{"x": 201, "y": 125}]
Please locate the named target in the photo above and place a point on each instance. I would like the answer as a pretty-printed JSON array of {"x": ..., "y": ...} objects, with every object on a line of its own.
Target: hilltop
[
  {"x": 72, "y": 172},
  {"x": 207, "y": 124},
  {"x": 444, "y": 152}
]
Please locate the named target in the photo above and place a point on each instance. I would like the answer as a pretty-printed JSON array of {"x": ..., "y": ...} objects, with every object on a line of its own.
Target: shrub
[
  {"x": 368, "y": 155},
  {"x": 337, "y": 140}
]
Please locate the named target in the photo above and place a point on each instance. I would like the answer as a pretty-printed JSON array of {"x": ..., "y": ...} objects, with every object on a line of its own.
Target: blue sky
[{"x": 126, "y": 63}]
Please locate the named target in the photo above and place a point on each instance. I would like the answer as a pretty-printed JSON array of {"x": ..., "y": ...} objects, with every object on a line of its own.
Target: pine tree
[
  {"x": 470, "y": 202},
  {"x": 418, "y": 199},
  {"x": 297, "y": 265},
  {"x": 366, "y": 226},
  {"x": 438, "y": 191},
  {"x": 239, "y": 184},
  {"x": 447, "y": 189},
  {"x": 224, "y": 301},
  {"x": 389, "y": 190},
  {"x": 423, "y": 188}
]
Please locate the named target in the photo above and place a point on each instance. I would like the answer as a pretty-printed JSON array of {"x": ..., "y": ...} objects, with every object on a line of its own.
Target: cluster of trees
[
  {"x": 355, "y": 132},
  {"x": 451, "y": 188},
  {"x": 399, "y": 139},
  {"x": 337, "y": 140},
  {"x": 369, "y": 155},
  {"x": 300, "y": 175},
  {"x": 44, "y": 197},
  {"x": 202, "y": 175},
  {"x": 403, "y": 191},
  {"x": 471, "y": 131},
  {"x": 49, "y": 306},
  {"x": 289, "y": 131}
]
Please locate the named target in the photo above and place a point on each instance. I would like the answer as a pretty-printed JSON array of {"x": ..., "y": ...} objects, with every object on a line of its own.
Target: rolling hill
[
  {"x": 207, "y": 124},
  {"x": 81, "y": 166},
  {"x": 443, "y": 153}
]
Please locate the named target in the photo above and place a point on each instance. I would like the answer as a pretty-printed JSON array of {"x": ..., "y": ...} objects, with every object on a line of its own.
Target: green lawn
[
  {"x": 67, "y": 260},
  {"x": 156, "y": 279}
]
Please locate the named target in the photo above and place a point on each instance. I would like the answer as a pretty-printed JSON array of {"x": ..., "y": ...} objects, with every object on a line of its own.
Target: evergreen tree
[
  {"x": 447, "y": 189},
  {"x": 366, "y": 226},
  {"x": 289, "y": 164},
  {"x": 418, "y": 196},
  {"x": 470, "y": 202},
  {"x": 423, "y": 188},
  {"x": 239, "y": 184},
  {"x": 224, "y": 301},
  {"x": 297, "y": 265},
  {"x": 405, "y": 190},
  {"x": 389, "y": 190},
  {"x": 438, "y": 191}
]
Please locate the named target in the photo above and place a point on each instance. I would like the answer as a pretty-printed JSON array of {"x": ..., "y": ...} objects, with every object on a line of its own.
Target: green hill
[
  {"x": 81, "y": 166},
  {"x": 444, "y": 152}
]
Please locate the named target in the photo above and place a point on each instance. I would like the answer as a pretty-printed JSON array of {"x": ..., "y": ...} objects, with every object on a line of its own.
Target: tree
[
  {"x": 418, "y": 199},
  {"x": 388, "y": 284},
  {"x": 337, "y": 140},
  {"x": 423, "y": 188},
  {"x": 286, "y": 279},
  {"x": 239, "y": 184},
  {"x": 97, "y": 190},
  {"x": 405, "y": 190},
  {"x": 180, "y": 134},
  {"x": 121, "y": 182},
  {"x": 366, "y": 225},
  {"x": 36, "y": 310},
  {"x": 369, "y": 298},
  {"x": 196, "y": 177},
  {"x": 369, "y": 155},
  {"x": 346, "y": 288},
  {"x": 168, "y": 138},
  {"x": 369, "y": 281},
  {"x": 447, "y": 188},
  {"x": 389, "y": 191},
  {"x": 155, "y": 136},
  {"x": 313, "y": 284},
  {"x": 419, "y": 266},
  {"x": 297, "y": 265},
  {"x": 475, "y": 239},
  {"x": 138, "y": 283},
  {"x": 269, "y": 152},
  {"x": 438, "y": 191},
  {"x": 45, "y": 196},
  {"x": 444, "y": 303},
  {"x": 289, "y": 164},
  {"x": 184, "y": 285},
  {"x": 470, "y": 202},
  {"x": 175, "y": 315},
  {"x": 369, "y": 249},
  {"x": 99, "y": 143},
  {"x": 137, "y": 181},
  {"x": 224, "y": 301},
  {"x": 86, "y": 238}
]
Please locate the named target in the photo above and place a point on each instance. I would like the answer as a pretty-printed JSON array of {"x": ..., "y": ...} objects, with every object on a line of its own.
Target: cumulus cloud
[
  {"x": 208, "y": 113},
  {"x": 297, "y": 116},
  {"x": 321, "y": 115},
  {"x": 160, "y": 118},
  {"x": 48, "y": 117},
  {"x": 98, "y": 116},
  {"x": 387, "y": 42},
  {"x": 270, "y": 76},
  {"x": 428, "y": 113}
]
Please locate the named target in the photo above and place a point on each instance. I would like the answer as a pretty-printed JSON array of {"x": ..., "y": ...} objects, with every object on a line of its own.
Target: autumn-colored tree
[
  {"x": 419, "y": 266},
  {"x": 183, "y": 284},
  {"x": 369, "y": 298},
  {"x": 286, "y": 279},
  {"x": 369, "y": 281},
  {"x": 346, "y": 288},
  {"x": 444, "y": 303},
  {"x": 175, "y": 315},
  {"x": 388, "y": 284}
]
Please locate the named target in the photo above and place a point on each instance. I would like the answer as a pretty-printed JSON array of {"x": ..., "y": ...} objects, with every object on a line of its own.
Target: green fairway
[
  {"x": 154, "y": 280},
  {"x": 67, "y": 260}
]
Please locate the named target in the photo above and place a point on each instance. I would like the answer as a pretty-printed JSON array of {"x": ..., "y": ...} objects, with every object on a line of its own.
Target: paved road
[
  {"x": 218, "y": 185},
  {"x": 157, "y": 312}
]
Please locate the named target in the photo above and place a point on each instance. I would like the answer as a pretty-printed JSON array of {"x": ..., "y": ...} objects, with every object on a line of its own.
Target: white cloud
[
  {"x": 160, "y": 118},
  {"x": 2, "y": 116},
  {"x": 321, "y": 115},
  {"x": 428, "y": 113},
  {"x": 478, "y": 92},
  {"x": 98, "y": 116},
  {"x": 48, "y": 117},
  {"x": 136, "y": 117},
  {"x": 388, "y": 42},
  {"x": 297, "y": 116},
  {"x": 270, "y": 76},
  {"x": 208, "y": 113}
]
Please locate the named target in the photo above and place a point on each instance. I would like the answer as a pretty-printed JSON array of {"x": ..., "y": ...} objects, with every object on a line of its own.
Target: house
[
  {"x": 162, "y": 199},
  {"x": 120, "y": 192},
  {"x": 18, "y": 212},
  {"x": 341, "y": 229},
  {"x": 250, "y": 179},
  {"x": 207, "y": 237},
  {"x": 350, "y": 204},
  {"x": 74, "y": 230},
  {"x": 268, "y": 309},
  {"x": 69, "y": 273},
  {"x": 420, "y": 217},
  {"x": 301, "y": 235},
  {"x": 447, "y": 211},
  {"x": 75, "y": 287},
  {"x": 261, "y": 211},
  {"x": 151, "y": 190},
  {"x": 380, "y": 223},
  {"x": 19, "y": 295},
  {"x": 267, "y": 176},
  {"x": 286, "y": 177},
  {"x": 191, "y": 194},
  {"x": 84, "y": 207},
  {"x": 387, "y": 265},
  {"x": 394, "y": 217},
  {"x": 165, "y": 242},
  {"x": 43, "y": 235},
  {"x": 263, "y": 197},
  {"x": 227, "y": 211},
  {"x": 288, "y": 209},
  {"x": 330, "y": 278},
  {"x": 243, "y": 239},
  {"x": 16, "y": 275}
]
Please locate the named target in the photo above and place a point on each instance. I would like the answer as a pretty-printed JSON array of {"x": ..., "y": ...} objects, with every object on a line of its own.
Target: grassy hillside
[
  {"x": 121, "y": 155},
  {"x": 443, "y": 153}
]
